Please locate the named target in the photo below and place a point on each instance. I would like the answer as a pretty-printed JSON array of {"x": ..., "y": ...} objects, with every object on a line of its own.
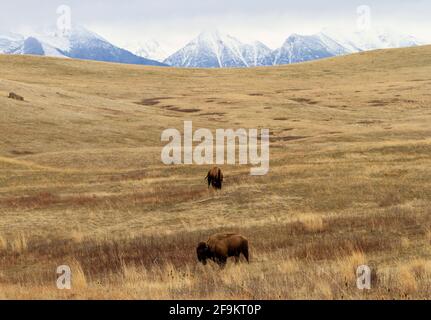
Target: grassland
[{"x": 82, "y": 183}]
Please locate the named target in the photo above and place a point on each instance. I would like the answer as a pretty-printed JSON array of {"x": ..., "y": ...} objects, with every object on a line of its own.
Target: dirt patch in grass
[
  {"x": 369, "y": 122},
  {"x": 187, "y": 110},
  {"x": 377, "y": 103},
  {"x": 21, "y": 153},
  {"x": 152, "y": 101},
  {"x": 304, "y": 100},
  {"x": 220, "y": 114},
  {"x": 288, "y": 138},
  {"x": 382, "y": 103}
]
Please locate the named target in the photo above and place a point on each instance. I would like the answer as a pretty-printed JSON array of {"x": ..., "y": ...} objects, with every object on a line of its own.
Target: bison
[
  {"x": 221, "y": 246},
  {"x": 15, "y": 96},
  {"x": 215, "y": 178}
]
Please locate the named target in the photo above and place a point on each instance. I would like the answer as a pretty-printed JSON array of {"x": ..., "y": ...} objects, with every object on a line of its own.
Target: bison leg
[
  {"x": 217, "y": 185},
  {"x": 246, "y": 257},
  {"x": 221, "y": 261},
  {"x": 245, "y": 252},
  {"x": 237, "y": 257}
]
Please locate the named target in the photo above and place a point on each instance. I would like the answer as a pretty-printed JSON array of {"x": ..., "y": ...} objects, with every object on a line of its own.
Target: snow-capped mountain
[
  {"x": 10, "y": 42},
  {"x": 298, "y": 48},
  {"x": 257, "y": 54},
  {"x": 150, "y": 49},
  {"x": 33, "y": 46},
  {"x": 17, "y": 44},
  {"x": 79, "y": 43},
  {"x": 209, "y": 50},
  {"x": 372, "y": 39},
  {"x": 217, "y": 50}
]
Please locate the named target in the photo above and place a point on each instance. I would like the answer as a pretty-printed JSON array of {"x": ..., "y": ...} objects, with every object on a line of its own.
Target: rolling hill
[{"x": 82, "y": 183}]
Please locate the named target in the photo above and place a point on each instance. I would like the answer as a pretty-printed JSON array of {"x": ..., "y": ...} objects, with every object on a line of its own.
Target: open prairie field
[{"x": 82, "y": 183}]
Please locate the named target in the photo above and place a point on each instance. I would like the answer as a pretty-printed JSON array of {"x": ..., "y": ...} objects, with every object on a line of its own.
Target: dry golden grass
[{"x": 82, "y": 184}]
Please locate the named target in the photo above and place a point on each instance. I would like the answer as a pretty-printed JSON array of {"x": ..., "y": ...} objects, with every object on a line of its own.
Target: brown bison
[
  {"x": 221, "y": 246},
  {"x": 215, "y": 178},
  {"x": 15, "y": 96}
]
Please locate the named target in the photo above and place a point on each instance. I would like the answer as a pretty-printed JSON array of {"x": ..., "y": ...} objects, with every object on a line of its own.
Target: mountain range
[
  {"x": 78, "y": 43},
  {"x": 218, "y": 50},
  {"x": 211, "y": 49}
]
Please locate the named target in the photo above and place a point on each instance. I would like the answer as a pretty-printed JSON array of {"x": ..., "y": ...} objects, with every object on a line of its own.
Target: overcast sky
[{"x": 176, "y": 22}]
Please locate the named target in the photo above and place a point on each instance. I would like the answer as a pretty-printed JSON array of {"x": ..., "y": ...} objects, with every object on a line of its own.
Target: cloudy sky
[{"x": 174, "y": 23}]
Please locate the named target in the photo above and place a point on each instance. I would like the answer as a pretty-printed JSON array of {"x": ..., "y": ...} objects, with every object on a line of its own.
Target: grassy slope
[{"x": 81, "y": 181}]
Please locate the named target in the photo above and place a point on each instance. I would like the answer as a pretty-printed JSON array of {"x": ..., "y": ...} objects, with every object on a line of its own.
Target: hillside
[{"x": 82, "y": 183}]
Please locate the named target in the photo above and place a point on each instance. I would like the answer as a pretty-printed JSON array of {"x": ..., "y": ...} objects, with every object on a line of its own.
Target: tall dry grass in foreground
[{"x": 304, "y": 259}]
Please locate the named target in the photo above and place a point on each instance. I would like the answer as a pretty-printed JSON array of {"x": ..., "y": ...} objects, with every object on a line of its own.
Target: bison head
[{"x": 203, "y": 252}]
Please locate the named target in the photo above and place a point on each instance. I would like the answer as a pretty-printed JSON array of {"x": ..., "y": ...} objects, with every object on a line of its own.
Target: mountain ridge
[
  {"x": 210, "y": 49},
  {"x": 206, "y": 50},
  {"x": 78, "y": 43}
]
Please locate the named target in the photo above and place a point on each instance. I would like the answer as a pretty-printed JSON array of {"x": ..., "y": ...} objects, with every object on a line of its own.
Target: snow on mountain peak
[
  {"x": 214, "y": 49},
  {"x": 78, "y": 43},
  {"x": 210, "y": 49},
  {"x": 10, "y": 36},
  {"x": 150, "y": 49},
  {"x": 372, "y": 39},
  {"x": 10, "y": 42},
  {"x": 65, "y": 40}
]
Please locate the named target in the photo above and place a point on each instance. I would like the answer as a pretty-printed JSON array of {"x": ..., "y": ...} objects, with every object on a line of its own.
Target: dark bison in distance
[
  {"x": 215, "y": 178},
  {"x": 221, "y": 246},
  {"x": 15, "y": 96}
]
